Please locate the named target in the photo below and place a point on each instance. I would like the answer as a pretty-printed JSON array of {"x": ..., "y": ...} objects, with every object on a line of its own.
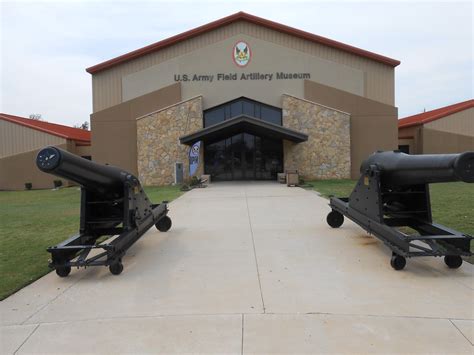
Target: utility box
[
  {"x": 206, "y": 179},
  {"x": 292, "y": 178},
  {"x": 281, "y": 178}
]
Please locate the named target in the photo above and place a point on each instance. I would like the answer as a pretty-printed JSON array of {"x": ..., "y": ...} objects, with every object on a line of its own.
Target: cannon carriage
[
  {"x": 113, "y": 203},
  {"x": 391, "y": 200}
]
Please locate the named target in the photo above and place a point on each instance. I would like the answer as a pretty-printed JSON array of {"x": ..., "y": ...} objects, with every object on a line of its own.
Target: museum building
[{"x": 259, "y": 96}]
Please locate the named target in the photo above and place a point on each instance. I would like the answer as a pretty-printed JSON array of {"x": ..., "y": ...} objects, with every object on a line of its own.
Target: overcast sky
[{"x": 46, "y": 46}]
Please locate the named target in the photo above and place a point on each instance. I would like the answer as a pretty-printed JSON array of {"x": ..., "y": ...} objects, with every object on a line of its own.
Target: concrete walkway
[{"x": 248, "y": 268}]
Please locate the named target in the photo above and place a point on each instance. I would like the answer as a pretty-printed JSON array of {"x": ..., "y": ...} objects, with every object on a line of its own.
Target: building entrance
[{"x": 244, "y": 157}]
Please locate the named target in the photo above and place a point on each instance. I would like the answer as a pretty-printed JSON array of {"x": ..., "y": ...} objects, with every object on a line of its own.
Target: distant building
[
  {"x": 20, "y": 140},
  {"x": 447, "y": 129}
]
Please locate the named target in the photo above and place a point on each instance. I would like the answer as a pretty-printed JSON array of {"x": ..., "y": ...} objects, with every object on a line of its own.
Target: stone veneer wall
[
  {"x": 158, "y": 146},
  {"x": 327, "y": 153}
]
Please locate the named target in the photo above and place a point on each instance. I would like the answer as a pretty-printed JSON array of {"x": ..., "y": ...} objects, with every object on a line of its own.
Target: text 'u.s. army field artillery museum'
[{"x": 260, "y": 97}]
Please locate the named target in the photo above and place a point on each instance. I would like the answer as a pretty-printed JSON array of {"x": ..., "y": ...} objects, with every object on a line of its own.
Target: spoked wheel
[
  {"x": 398, "y": 262},
  {"x": 116, "y": 268},
  {"x": 335, "y": 219},
  {"x": 453, "y": 261},
  {"x": 164, "y": 224},
  {"x": 63, "y": 271}
]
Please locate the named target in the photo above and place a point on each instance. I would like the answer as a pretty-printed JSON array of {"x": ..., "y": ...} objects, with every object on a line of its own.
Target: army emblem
[{"x": 241, "y": 54}]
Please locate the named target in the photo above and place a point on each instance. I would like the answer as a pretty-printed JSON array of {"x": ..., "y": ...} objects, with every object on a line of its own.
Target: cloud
[{"x": 46, "y": 46}]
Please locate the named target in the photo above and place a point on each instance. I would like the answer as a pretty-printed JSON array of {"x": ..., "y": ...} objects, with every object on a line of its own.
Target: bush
[
  {"x": 194, "y": 181},
  {"x": 184, "y": 187},
  {"x": 57, "y": 184},
  {"x": 28, "y": 185}
]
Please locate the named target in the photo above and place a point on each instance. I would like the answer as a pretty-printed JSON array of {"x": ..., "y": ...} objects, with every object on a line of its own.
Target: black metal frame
[
  {"x": 381, "y": 209},
  {"x": 128, "y": 217}
]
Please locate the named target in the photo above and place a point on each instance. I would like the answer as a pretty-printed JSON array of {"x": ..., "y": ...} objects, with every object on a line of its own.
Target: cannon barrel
[
  {"x": 102, "y": 179},
  {"x": 398, "y": 168}
]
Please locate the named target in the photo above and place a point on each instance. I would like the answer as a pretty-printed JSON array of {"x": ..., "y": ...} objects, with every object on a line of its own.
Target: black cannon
[
  {"x": 391, "y": 201},
  {"x": 113, "y": 203}
]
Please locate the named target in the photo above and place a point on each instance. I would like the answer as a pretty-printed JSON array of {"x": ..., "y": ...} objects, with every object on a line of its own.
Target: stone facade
[
  {"x": 327, "y": 153},
  {"x": 158, "y": 146}
]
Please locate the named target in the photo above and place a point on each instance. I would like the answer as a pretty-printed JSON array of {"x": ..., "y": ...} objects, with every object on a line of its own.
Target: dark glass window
[
  {"x": 248, "y": 108},
  {"x": 271, "y": 114},
  {"x": 404, "y": 148},
  {"x": 242, "y": 106},
  {"x": 214, "y": 115}
]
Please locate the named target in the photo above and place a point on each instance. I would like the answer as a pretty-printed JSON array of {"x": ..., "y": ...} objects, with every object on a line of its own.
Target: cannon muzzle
[
  {"x": 102, "y": 179},
  {"x": 398, "y": 168}
]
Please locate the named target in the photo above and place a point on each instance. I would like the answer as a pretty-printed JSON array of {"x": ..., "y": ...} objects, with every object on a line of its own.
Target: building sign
[
  {"x": 241, "y": 54},
  {"x": 214, "y": 77},
  {"x": 194, "y": 158}
]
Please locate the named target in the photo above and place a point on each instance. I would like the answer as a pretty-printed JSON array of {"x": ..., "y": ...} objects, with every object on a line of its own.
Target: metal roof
[
  {"x": 76, "y": 134},
  {"x": 243, "y": 124},
  {"x": 241, "y": 16}
]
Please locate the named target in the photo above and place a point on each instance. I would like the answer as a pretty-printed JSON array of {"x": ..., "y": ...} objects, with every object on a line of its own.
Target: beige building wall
[
  {"x": 461, "y": 122},
  {"x": 83, "y": 150},
  {"x": 438, "y": 142},
  {"x": 16, "y": 139},
  {"x": 18, "y": 169},
  {"x": 373, "y": 125},
  {"x": 378, "y": 78},
  {"x": 158, "y": 143},
  {"x": 327, "y": 152},
  {"x": 267, "y": 58},
  {"x": 114, "y": 130}
]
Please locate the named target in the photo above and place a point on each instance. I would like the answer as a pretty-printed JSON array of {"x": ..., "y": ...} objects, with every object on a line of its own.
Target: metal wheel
[
  {"x": 398, "y": 262},
  {"x": 453, "y": 261},
  {"x": 164, "y": 224},
  {"x": 335, "y": 219},
  {"x": 63, "y": 271},
  {"x": 116, "y": 268}
]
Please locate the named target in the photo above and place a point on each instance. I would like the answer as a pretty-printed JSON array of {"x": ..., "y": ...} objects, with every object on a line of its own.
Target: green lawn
[
  {"x": 451, "y": 203},
  {"x": 30, "y": 221}
]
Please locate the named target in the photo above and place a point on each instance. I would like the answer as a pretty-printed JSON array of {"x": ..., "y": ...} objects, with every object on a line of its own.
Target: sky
[{"x": 46, "y": 45}]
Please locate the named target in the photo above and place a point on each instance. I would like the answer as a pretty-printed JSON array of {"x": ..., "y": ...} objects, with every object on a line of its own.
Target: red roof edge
[
  {"x": 81, "y": 136},
  {"x": 429, "y": 116},
  {"x": 233, "y": 18}
]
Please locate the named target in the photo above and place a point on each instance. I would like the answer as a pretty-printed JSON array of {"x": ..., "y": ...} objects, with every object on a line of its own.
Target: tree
[
  {"x": 84, "y": 126},
  {"x": 35, "y": 116}
]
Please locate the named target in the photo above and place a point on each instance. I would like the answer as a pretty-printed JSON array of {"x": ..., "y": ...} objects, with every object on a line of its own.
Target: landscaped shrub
[
  {"x": 194, "y": 181},
  {"x": 28, "y": 185}
]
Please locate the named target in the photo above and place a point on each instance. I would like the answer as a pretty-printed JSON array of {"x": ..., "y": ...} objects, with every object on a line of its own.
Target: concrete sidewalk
[{"x": 248, "y": 268}]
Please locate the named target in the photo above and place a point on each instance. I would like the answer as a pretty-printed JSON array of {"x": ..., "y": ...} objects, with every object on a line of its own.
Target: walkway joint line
[
  {"x": 459, "y": 330},
  {"x": 50, "y": 301},
  {"x": 254, "y": 250},
  {"x": 242, "y": 340},
  {"x": 28, "y": 337}
]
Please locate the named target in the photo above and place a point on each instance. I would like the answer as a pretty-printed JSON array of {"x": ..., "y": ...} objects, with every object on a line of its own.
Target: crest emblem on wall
[{"x": 241, "y": 54}]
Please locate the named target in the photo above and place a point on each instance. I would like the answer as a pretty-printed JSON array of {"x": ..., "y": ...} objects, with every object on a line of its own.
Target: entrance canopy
[{"x": 243, "y": 124}]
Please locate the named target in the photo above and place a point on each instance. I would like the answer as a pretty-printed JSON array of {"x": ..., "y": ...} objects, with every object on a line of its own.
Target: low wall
[
  {"x": 438, "y": 142},
  {"x": 16, "y": 170}
]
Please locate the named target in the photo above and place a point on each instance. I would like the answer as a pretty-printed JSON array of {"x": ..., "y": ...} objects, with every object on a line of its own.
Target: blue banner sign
[{"x": 194, "y": 158}]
